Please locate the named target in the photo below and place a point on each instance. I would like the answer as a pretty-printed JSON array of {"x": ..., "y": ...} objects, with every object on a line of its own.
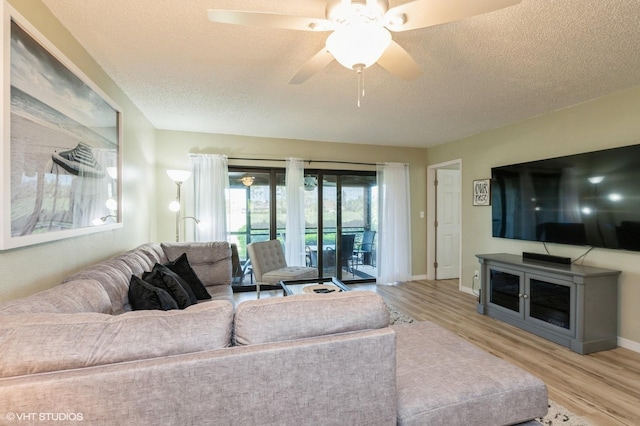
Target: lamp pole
[
  {"x": 178, "y": 184},
  {"x": 178, "y": 176}
]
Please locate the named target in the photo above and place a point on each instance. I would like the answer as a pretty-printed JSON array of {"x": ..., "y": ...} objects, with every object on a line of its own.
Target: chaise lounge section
[{"x": 78, "y": 349}]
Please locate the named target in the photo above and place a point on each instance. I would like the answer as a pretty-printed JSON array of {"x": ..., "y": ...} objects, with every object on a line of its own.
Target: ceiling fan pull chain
[
  {"x": 360, "y": 73},
  {"x": 359, "y": 76}
]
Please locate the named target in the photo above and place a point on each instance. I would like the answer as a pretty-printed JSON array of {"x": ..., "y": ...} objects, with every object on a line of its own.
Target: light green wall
[
  {"x": 174, "y": 147},
  {"x": 606, "y": 122},
  {"x": 33, "y": 268}
]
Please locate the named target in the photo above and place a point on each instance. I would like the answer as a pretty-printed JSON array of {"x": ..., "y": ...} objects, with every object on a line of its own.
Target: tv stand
[{"x": 572, "y": 305}]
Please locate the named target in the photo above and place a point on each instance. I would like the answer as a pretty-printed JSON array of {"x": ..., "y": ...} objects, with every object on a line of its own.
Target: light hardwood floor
[{"x": 603, "y": 387}]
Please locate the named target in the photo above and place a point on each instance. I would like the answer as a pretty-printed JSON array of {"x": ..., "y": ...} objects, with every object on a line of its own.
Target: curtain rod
[{"x": 306, "y": 161}]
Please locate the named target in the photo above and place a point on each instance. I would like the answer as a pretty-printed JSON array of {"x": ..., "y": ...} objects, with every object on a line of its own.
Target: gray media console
[{"x": 575, "y": 306}]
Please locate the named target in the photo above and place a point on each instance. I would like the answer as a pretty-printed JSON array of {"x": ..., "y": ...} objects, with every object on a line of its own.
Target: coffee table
[{"x": 292, "y": 287}]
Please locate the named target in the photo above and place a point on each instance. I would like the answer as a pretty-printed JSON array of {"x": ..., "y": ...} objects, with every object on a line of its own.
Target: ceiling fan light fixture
[
  {"x": 247, "y": 179},
  {"x": 358, "y": 43},
  {"x": 310, "y": 183},
  {"x": 361, "y": 27},
  {"x": 344, "y": 11}
]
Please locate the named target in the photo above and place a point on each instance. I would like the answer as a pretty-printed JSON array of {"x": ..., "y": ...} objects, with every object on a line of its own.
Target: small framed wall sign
[{"x": 482, "y": 192}]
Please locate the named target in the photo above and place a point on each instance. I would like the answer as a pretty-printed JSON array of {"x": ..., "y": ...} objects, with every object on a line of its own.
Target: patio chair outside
[{"x": 364, "y": 254}]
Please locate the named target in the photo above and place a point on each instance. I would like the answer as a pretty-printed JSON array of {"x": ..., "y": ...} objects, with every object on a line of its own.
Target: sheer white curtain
[
  {"x": 394, "y": 253},
  {"x": 207, "y": 199},
  {"x": 294, "y": 237}
]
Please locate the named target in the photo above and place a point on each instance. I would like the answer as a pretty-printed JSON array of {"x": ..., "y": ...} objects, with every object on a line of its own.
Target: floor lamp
[{"x": 178, "y": 176}]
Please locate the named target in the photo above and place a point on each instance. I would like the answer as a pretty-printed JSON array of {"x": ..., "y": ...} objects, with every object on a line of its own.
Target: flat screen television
[{"x": 590, "y": 199}]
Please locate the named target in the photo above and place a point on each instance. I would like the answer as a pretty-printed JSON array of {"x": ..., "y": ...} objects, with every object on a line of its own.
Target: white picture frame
[
  {"x": 61, "y": 143},
  {"x": 482, "y": 192}
]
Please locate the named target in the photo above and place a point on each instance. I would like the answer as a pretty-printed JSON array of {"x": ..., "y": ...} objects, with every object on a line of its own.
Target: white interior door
[{"x": 448, "y": 223}]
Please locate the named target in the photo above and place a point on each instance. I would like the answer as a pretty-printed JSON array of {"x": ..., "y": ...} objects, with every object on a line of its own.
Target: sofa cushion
[
  {"x": 133, "y": 262},
  {"x": 35, "y": 343},
  {"x": 114, "y": 278},
  {"x": 166, "y": 280},
  {"x": 183, "y": 269},
  {"x": 73, "y": 296},
  {"x": 443, "y": 379},
  {"x": 153, "y": 252},
  {"x": 115, "y": 274},
  {"x": 143, "y": 295},
  {"x": 220, "y": 292},
  {"x": 289, "y": 273},
  {"x": 308, "y": 315},
  {"x": 211, "y": 261}
]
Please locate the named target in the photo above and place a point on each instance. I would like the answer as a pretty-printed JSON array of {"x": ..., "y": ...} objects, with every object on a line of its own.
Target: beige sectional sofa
[{"x": 77, "y": 352}]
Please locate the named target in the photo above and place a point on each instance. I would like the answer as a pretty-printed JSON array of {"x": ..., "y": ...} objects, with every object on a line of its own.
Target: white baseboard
[
  {"x": 629, "y": 344},
  {"x": 418, "y": 277},
  {"x": 467, "y": 290}
]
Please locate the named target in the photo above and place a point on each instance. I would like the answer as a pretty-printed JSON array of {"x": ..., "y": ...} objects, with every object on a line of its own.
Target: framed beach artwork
[{"x": 61, "y": 143}]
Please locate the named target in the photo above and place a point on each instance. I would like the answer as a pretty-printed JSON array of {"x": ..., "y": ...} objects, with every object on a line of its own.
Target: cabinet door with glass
[
  {"x": 550, "y": 301},
  {"x": 506, "y": 289},
  {"x": 544, "y": 301}
]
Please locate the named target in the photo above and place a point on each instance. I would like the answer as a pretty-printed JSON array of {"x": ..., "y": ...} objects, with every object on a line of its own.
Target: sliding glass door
[
  {"x": 359, "y": 225},
  {"x": 249, "y": 208},
  {"x": 340, "y": 217}
]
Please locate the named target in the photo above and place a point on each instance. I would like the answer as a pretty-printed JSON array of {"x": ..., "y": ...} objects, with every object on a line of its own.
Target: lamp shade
[
  {"x": 179, "y": 175},
  {"x": 358, "y": 43}
]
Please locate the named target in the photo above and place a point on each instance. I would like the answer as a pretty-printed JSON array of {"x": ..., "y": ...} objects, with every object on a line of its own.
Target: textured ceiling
[{"x": 186, "y": 73}]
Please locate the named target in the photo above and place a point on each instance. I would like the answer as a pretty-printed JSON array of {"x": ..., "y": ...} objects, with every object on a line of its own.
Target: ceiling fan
[{"x": 360, "y": 34}]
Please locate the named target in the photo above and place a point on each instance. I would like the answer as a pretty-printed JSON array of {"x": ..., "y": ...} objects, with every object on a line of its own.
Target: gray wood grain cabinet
[{"x": 573, "y": 305}]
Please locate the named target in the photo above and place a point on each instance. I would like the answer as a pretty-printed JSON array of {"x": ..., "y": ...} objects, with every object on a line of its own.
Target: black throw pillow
[
  {"x": 169, "y": 273},
  {"x": 170, "y": 284},
  {"x": 143, "y": 295},
  {"x": 182, "y": 267}
]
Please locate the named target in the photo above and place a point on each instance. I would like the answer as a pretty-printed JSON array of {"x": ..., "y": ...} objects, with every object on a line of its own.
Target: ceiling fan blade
[
  {"x": 312, "y": 66},
  {"x": 424, "y": 13},
  {"x": 269, "y": 20},
  {"x": 397, "y": 61}
]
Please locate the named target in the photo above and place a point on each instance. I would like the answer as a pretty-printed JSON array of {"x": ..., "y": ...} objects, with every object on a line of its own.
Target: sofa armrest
[{"x": 82, "y": 295}]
